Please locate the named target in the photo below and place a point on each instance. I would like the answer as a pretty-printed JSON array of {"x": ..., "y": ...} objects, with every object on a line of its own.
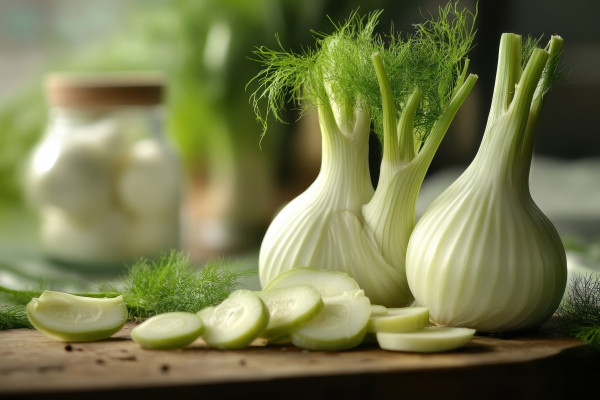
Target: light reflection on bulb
[{"x": 44, "y": 160}]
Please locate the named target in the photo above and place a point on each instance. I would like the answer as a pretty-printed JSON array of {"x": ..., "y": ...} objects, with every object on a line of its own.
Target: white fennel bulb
[
  {"x": 483, "y": 255},
  {"x": 340, "y": 222},
  {"x": 323, "y": 227}
]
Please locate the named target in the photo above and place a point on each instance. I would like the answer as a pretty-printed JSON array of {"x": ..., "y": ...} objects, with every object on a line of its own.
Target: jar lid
[{"x": 104, "y": 89}]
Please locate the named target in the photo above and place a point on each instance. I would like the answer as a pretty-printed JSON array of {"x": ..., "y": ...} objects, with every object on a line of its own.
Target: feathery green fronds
[
  {"x": 339, "y": 68},
  {"x": 580, "y": 309},
  {"x": 316, "y": 75},
  {"x": 432, "y": 59},
  {"x": 13, "y": 317},
  {"x": 151, "y": 286},
  {"x": 170, "y": 283}
]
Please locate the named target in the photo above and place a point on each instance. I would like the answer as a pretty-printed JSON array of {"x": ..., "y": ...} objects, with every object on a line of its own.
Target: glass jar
[{"x": 104, "y": 179}]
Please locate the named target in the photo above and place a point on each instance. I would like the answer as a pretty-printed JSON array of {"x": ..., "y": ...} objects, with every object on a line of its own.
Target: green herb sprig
[
  {"x": 151, "y": 286},
  {"x": 169, "y": 283},
  {"x": 13, "y": 317},
  {"x": 580, "y": 309}
]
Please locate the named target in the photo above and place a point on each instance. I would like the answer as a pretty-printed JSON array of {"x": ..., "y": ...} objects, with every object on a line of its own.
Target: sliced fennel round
[
  {"x": 173, "y": 330},
  {"x": 327, "y": 282},
  {"x": 341, "y": 324},
  {"x": 403, "y": 319},
  {"x": 70, "y": 318},
  {"x": 289, "y": 308},
  {"x": 377, "y": 310},
  {"x": 427, "y": 340},
  {"x": 236, "y": 322}
]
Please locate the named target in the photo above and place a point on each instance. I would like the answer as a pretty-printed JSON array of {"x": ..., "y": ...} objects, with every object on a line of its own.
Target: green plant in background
[{"x": 22, "y": 121}]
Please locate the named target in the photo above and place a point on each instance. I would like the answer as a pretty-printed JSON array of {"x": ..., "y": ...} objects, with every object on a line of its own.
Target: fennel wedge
[{"x": 69, "y": 318}]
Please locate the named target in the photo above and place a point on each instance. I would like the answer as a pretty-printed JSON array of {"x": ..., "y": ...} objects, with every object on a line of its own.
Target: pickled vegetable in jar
[{"x": 105, "y": 179}]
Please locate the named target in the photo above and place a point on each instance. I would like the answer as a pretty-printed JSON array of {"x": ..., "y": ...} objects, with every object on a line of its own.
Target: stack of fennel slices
[{"x": 313, "y": 309}]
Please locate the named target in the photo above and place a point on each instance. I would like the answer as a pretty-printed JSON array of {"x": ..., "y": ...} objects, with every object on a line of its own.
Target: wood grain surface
[{"x": 541, "y": 364}]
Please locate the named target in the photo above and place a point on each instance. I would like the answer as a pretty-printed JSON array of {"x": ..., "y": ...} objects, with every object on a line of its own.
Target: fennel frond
[
  {"x": 579, "y": 311},
  {"x": 151, "y": 286}
]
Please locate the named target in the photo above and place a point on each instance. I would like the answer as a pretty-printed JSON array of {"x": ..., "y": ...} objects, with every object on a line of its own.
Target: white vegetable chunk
[
  {"x": 69, "y": 318},
  {"x": 149, "y": 181}
]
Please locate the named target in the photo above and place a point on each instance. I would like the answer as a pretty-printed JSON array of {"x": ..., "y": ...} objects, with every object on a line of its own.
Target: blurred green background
[{"x": 235, "y": 181}]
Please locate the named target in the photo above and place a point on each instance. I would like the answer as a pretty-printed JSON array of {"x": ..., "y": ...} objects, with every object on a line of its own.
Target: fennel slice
[
  {"x": 236, "y": 322},
  {"x": 378, "y": 310},
  {"x": 289, "y": 308},
  {"x": 341, "y": 325},
  {"x": 70, "y": 318},
  {"x": 427, "y": 340},
  {"x": 404, "y": 319},
  {"x": 327, "y": 282},
  {"x": 173, "y": 330}
]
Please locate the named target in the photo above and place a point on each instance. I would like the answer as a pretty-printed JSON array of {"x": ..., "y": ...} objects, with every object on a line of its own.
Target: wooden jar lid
[{"x": 105, "y": 89}]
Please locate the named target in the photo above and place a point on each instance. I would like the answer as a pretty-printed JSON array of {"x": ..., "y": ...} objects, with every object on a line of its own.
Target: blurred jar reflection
[{"x": 104, "y": 179}]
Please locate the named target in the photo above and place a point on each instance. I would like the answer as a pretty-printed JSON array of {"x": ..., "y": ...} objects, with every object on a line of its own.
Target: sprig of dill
[
  {"x": 13, "y": 317},
  {"x": 169, "y": 283},
  {"x": 579, "y": 311},
  {"x": 151, "y": 286}
]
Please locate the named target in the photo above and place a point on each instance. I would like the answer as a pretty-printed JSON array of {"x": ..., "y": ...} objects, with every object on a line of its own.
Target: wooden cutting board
[{"x": 543, "y": 363}]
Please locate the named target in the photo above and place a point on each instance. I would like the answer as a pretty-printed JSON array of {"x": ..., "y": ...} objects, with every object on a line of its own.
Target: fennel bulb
[
  {"x": 483, "y": 255},
  {"x": 323, "y": 227},
  {"x": 340, "y": 222}
]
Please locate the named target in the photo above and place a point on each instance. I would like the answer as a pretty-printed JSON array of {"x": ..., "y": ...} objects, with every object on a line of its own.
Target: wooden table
[{"x": 543, "y": 364}]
